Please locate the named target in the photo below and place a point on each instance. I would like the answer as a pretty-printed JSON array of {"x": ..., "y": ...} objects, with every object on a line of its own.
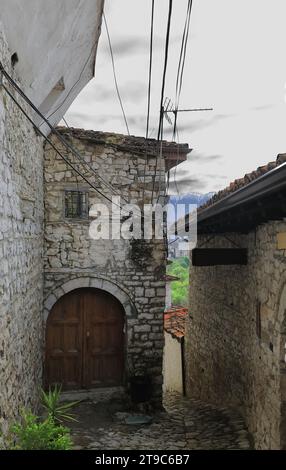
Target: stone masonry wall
[
  {"x": 21, "y": 267},
  {"x": 227, "y": 362},
  {"x": 135, "y": 269}
]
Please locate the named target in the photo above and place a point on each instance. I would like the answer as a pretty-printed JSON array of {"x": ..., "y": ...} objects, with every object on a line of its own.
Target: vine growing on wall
[{"x": 141, "y": 251}]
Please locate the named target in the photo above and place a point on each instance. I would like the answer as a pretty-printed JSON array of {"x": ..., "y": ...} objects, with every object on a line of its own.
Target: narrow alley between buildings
[{"x": 182, "y": 424}]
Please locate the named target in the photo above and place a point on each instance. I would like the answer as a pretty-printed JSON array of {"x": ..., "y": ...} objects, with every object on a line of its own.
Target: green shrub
[
  {"x": 33, "y": 434},
  {"x": 58, "y": 411},
  {"x": 180, "y": 289}
]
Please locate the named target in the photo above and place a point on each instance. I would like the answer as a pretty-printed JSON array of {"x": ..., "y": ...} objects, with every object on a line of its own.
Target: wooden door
[
  {"x": 104, "y": 340},
  {"x": 85, "y": 341}
]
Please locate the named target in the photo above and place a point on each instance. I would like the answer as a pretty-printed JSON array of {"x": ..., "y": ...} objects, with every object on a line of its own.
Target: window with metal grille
[{"x": 76, "y": 204}]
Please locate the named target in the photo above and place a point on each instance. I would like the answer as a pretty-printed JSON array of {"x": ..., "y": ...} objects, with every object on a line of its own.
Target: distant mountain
[{"x": 192, "y": 198}]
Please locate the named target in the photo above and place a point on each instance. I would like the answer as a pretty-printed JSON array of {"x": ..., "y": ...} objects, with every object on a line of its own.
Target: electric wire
[
  {"x": 63, "y": 118},
  {"x": 149, "y": 93},
  {"x": 182, "y": 57},
  {"x": 72, "y": 149},
  {"x": 150, "y": 68},
  {"x": 161, "y": 116},
  {"x": 51, "y": 143},
  {"x": 179, "y": 83},
  {"x": 73, "y": 87},
  {"x": 69, "y": 163},
  {"x": 114, "y": 74}
]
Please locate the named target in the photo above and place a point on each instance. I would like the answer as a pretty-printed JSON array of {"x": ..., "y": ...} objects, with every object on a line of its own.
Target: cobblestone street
[{"x": 186, "y": 424}]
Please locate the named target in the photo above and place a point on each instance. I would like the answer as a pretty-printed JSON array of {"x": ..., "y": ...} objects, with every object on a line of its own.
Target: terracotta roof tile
[
  {"x": 125, "y": 142},
  {"x": 241, "y": 182},
  {"x": 174, "y": 321}
]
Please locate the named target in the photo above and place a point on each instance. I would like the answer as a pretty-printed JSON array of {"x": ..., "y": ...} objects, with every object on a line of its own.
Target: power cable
[
  {"x": 51, "y": 143},
  {"x": 177, "y": 163},
  {"x": 74, "y": 85},
  {"x": 182, "y": 56},
  {"x": 72, "y": 165},
  {"x": 181, "y": 64},
  {"x": 179, "y": 83},
  {"x": 163, "y": 86},
  {"x": 65, "y": 122},
  {"x": 160, "y": 162},
  {"x": 149, "y": 93},
  {"x": 114, "y": 74},
  {"x": 57, "y": 133},
  {"x": 150, "y": 68}
]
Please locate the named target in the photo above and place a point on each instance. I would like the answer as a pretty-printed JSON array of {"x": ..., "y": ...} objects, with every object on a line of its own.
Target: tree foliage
[{"x": 180, "y": 289}]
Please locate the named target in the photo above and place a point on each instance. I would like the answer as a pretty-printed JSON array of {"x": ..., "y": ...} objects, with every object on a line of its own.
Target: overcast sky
[{"x": 236, "y": 63}]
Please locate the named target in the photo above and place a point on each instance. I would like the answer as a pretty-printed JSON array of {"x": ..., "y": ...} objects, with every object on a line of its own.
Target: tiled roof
[
  {"x": 174, "y": 321},
  {"x": 241, "y": 182},
  {"x": 125, "y": 142}
]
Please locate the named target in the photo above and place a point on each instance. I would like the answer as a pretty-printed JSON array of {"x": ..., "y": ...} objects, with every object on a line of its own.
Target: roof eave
[{"x": 266, "y": 185}]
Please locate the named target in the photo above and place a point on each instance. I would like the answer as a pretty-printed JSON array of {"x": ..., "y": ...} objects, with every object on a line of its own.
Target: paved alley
[{"x": 185, "y": 424}]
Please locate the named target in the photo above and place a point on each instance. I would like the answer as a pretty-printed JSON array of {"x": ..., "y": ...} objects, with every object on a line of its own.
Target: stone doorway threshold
[{"x": 95, "y": 395}]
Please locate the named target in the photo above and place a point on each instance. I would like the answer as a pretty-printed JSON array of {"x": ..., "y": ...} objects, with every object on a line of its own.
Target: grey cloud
[
  {"x": 192, "y": 126},
  {"x": 262, "y": 107},
  {"x": 181, "y": 171},
  {"x": 134, "y": 91},
  {"x": 136, "y": 45},
  {"x": 129, "y": 91},
  {"x": 133, "y": 45},
  {"x": 102, "y": 93},
  {"x": 217, "y": 177},
  {"x": 83, "y": 119},
  {"x": 202, "y": 158},
  {"x": 186, "y": 186}
]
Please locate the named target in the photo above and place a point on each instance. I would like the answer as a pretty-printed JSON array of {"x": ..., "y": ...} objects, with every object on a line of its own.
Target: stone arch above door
[{"x": 98, "y": 283}]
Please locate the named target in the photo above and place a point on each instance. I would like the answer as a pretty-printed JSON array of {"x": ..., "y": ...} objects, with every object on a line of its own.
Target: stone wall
[
  {"x": 132, "y": 272},
  {"x": 21, "y": 267},
  {"x": 227, "y": 360}
]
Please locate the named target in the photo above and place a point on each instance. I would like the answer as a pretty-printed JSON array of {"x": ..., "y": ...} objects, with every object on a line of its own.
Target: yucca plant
[
  {"x": 32, "y": 433},
  {"x": 59, "y": 412}
]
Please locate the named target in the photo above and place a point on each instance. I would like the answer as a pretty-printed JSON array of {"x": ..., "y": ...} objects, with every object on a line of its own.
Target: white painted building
[
  {"x": 53, "y": 47},
  {"x": 173, "y": 358}
]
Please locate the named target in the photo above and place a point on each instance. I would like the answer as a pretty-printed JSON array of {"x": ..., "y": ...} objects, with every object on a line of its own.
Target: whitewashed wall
[
  {"x": 172, "y": 365},
  {"x": 56, "y": 43}
]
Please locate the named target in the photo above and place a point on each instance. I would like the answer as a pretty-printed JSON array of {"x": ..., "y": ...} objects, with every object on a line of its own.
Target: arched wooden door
[{"x": 85, "y": 341}]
